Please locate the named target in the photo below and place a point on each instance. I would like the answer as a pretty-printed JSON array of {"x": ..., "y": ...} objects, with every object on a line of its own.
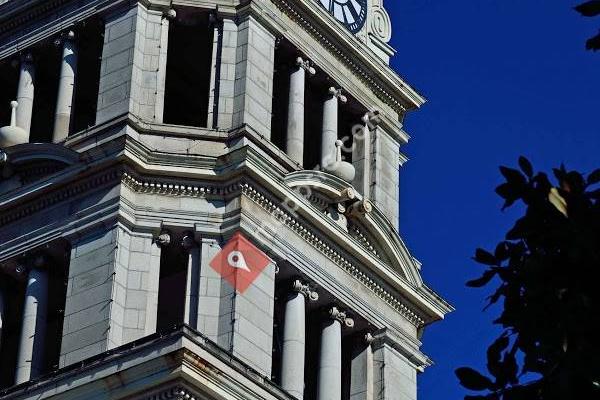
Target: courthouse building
[{"x": 199, "y": 199}]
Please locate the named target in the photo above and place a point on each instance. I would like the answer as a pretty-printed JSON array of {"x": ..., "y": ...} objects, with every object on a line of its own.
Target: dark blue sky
[{"x": 503, "y": 78}]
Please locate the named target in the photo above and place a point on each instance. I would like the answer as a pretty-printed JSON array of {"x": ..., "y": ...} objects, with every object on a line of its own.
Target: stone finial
[
  {"x": 305, "y": 290},
  {"x": 12, "y": 135},
  {"x": 341, "y": 316},
  {"x": 306, "y": 65},
  {"x": 342, "y": 169},
  {"x": 337, "y": 93}
]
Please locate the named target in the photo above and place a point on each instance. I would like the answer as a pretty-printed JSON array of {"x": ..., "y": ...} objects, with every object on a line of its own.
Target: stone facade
[{"x": 113, "y": 229}]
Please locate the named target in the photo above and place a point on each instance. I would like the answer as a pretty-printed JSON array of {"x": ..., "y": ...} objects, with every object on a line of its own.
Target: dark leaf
[
  {"x": 513, "y": 176},
  {"x": 560, "y": 173},
  {"x": 526, "y": 166},
  {"x": 589, "y": 8},
  {"x": 484, "y": 280},
  {"x": 493, "y": 299},
  {"x": 519, "y": 231},
  {"x": 473, "y": 380},
  {"x": 501, "y": 253},
  {"x": 494, "y": 355},
  {"x": 506, "y": 191},
  {"x": 594, "y": 177},
  {"x": 593, "y": 43},
  {"x": 484, "y": 257}
]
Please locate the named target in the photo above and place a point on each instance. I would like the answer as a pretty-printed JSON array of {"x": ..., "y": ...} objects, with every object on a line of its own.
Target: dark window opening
[
  {"x": 349, "y": 116},
  {"x": 57, "y": 295},
  {"x": 314, "y": 327},
  {"x": 171, "y": 292},
  {"x": 47, "y": 60},
  {"x": 14, "y": 293},
  {"x": 90, "y": 40},
  {"x": 313, "y": 121},
  {"x": 284, "y": 58},
  {"x": 189, "y": 59},
  {"x": 9, "y": 77}
]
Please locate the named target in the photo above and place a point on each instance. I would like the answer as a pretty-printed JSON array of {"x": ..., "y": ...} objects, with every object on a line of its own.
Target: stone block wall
[
  {"x": 112, "y": 293},
  {"x": 385, "y": 174},
  {"x": 223, "y": 75},
  {"x": 253, "y": 91},
  {"x": 246, "y": 321},
  {"x": 394, "y": 377},
  {"x": 133, "y": 65}
]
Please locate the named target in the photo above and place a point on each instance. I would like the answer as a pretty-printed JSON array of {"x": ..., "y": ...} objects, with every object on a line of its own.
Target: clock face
[{"x": 351, "y": 13}]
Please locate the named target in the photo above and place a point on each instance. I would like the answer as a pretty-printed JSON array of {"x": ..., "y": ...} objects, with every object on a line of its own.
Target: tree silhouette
[
  {"x": 548, "y": 268},
  {"x": 591, "y": 9}
]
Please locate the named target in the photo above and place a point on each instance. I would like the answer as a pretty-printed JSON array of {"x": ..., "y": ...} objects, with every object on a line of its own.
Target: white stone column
[
  {"x": 66, "y": 88},
  {"x": 330, "y": 360},
  {"x": 192, "y": 282},
  {"x": 330, "y": 126},
  {"x": 295, "y": 125},
  {"x": 30, "y": 357},
  {"x": 294, "y": 339},
  {"x": 25, "y": 93}
]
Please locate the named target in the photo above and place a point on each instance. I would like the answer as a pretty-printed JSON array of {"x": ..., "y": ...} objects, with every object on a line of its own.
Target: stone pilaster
[
  {"x": 253, "y": 89},
  {"x": 223, "y": 75},
  {"x": 211, "y": 289},
  {"x": 385, "y": 174},
  {"x": 394, "y": 376},
  {"x": 246, "y": 321},
  {"x": 362, "y": 373},
  {"x": 192, "y": 282}
]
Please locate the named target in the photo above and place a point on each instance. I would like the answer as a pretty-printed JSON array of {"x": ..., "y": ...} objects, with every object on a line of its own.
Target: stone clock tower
[{"x": 199, "y": 200}]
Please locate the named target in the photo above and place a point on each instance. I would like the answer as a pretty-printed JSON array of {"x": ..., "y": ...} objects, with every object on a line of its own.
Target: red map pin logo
[{"x": 240, "y": 262}]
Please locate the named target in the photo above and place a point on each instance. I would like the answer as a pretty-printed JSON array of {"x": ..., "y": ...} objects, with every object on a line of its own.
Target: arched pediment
[
  {"x": 27, "y": 163},
  {"x": 371, "y": 229}
]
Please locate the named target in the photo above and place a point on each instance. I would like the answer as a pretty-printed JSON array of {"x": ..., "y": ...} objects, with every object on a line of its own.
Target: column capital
[
  {"x": 189, "y": 242},
  {"x": 305, "y": 290},
  {"x": 305, "y": 65},
  {"x": 163, "y": 239},
  {"x": 335, "y": 314},
  {"x": 335, "y": 92},
  {"x": 170, "y": 14}
]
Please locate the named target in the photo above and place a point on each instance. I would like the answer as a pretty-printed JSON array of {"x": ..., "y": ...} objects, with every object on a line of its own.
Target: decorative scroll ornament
[
  {"x": 341, "y": 316},
  {"x": 305, "y": 65},
  {"x": 381, "y": 24},
  {"x": 305, "y": 290}
]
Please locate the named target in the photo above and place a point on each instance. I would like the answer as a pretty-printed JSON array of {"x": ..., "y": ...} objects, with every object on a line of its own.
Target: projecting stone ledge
[{"x": 174, "y": 365}]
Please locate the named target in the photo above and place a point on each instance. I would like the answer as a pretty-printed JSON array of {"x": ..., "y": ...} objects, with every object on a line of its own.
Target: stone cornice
[
  {"x": 321, "y": 243},
  {"x": 384, "y": 81}
]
